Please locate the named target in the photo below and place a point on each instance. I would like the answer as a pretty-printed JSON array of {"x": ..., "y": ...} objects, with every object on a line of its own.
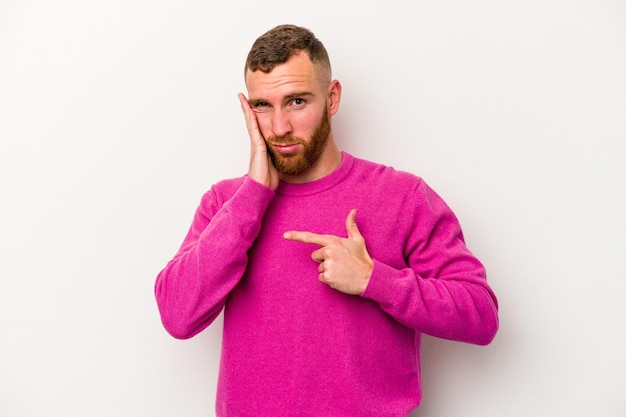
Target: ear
[{"x": 334, "y": 97}]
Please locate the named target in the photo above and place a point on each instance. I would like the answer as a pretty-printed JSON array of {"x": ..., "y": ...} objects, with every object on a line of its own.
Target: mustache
[{"x": 285, "y": 140}]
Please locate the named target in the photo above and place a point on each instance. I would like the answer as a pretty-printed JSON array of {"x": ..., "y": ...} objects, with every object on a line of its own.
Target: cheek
[{"x": 305, "y": 123}]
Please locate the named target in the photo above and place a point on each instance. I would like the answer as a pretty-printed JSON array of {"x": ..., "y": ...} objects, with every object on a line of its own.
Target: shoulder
[
  {"x": 388, "y": 183},
  {"x": 222, "y": 191},
  {"x": 377, "y": 173}
]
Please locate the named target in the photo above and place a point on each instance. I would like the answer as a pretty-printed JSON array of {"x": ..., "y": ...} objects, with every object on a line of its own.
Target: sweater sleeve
[
  {"x": 443, "y": 291},
  {"x": 192, "y": 288}
]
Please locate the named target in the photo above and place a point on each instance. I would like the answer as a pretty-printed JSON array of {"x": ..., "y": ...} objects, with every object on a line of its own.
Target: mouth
[{"x": 287, "y": 148}]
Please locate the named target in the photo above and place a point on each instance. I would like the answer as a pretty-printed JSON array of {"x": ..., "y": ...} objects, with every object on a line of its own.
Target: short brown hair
[{"x": 277, "y": 45}]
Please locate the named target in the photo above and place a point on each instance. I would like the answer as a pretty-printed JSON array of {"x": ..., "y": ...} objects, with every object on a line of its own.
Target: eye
[
  {"x": 260, "y": 106},
  {"x": 298, "y": 102}
]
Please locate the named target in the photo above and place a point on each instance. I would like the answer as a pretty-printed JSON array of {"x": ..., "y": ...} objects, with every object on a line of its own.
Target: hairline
[{"x": 323, "y": 73}]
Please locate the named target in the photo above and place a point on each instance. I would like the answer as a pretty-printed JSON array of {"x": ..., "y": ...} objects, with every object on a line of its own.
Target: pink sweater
[{"x": 292, "y": 346}]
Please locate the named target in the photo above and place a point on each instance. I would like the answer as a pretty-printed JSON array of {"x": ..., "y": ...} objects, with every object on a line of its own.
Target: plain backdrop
[{"x": 116, "y": 116}]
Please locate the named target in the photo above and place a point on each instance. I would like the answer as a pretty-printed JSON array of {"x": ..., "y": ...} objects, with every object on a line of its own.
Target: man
[{"x": 328, "y": 267}]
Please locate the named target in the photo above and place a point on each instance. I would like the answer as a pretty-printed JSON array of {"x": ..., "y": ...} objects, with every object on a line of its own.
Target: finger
[
  {"x": 321, "y": 268},
  {"x": 251, "y": 121},
  {"x": 245, "y": 106},
  {"x": 351, "y": 227},
  {"x": 309, "y": 237},
  {"x": 319, "y": 255},
  {"x": 243, "y": 100}
]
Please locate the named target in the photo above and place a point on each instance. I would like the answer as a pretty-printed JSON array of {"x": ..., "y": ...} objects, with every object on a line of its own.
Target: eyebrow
[
  {"x": 298, "y": 95},
  {"x": 257, "y": 101}
]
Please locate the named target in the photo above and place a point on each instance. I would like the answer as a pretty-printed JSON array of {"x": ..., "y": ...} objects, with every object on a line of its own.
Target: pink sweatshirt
[{"x": 291, "y": 345}]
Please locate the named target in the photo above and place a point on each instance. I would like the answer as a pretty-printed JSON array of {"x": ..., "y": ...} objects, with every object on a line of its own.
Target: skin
[{"x": 289, "y": 102}]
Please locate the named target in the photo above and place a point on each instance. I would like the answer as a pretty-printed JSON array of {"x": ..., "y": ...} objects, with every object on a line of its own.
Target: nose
[{"x": 281, "y": 125}]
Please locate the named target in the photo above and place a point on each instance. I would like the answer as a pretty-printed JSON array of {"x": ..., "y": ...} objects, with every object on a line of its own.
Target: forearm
[
  {"x": 191, "y": 290},
  {"x": 458, "y": 307},
  {"x": 440, "y": 287}
]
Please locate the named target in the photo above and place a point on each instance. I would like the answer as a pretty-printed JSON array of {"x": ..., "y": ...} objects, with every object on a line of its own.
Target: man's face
[{"x": 292, "y": 112}]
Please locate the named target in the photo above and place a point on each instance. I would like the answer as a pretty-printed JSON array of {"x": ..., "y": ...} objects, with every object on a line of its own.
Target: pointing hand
[{"x": 344, "y": 264}]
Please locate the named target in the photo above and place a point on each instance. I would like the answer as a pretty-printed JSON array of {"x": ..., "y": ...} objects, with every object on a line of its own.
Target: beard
[{"x": 298, "y": 162}]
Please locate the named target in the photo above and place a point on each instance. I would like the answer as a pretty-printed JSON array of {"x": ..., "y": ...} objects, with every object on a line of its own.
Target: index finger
[
  {"x": 310, "y": 237},
  {"x": 247, "y": 110},
  {"x": 243, "y": 100},
  {"x": 251, "y": 121}
]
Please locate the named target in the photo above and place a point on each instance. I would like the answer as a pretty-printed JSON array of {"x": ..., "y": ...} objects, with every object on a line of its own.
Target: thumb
[{"x": 351, "y": 227}]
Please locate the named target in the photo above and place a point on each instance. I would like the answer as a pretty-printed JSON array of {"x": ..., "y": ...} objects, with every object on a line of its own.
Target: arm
[
  {"x": 443, "y": 292},
  {"x": 192, "y": 289}
]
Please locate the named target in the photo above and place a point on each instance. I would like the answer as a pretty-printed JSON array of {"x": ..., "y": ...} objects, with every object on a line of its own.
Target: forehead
[{"x": 295, "y": 75}]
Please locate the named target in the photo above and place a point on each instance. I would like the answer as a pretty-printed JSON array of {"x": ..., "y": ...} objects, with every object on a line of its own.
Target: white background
[{"x": 116, "y": 116}]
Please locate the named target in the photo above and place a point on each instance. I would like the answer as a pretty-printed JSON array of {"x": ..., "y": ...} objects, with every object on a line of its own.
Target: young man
[{"x": 328, "y": 267}]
